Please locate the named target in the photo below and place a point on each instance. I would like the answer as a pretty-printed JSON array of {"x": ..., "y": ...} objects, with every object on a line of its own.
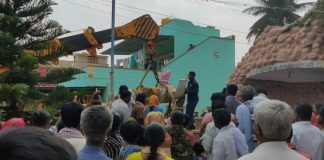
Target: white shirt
[
  {"x": 308, "y": 139},
  {"x": 225, "y": 146},
  {"x": 208, "y": 137},
  {"x": 259, "y": 98},
  {"x": 273, "y": 151},
  {"x": 122, "y": 108}
]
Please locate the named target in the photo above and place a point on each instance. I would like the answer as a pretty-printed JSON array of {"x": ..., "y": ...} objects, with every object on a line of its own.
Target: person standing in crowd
[
  {"x": 114, "y": 141},
  {"x": 321, "y": 118},
  {"x": 41, "y": 119},
  {"x": 273, "y": 121},
  {"x": 154, "y": 136},
  {"x": 243, "y": 115},
  {"x": 306, "y": 137},
  {"x": 33, "y": 143},
  {"x": 211, "y": 130},
  {"x": 231, "y": 102},
  {"x": 95, "y": 124},
  {"x": 261, "y": 96},
  {"x": 192, "y": 91},
  {"x": 139, "y": 108},
  {"x": 181, "y": 147},
  {"x": 209, "y": 117},
  {"x": 153, "y": 105},
  {"x": 131, "y": 131},
  {"x": 229, "y": 143},
  {"x": 70, "y": 115},
  {"x": 121, "y": 106}
]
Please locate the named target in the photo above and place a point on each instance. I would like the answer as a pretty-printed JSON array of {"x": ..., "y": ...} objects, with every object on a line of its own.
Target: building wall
[
  {"x": 186, "y": 33},
  {"x": 212, "y": 71}
]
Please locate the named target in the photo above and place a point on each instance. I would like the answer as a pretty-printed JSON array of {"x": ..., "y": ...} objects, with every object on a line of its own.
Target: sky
[{"x": 226, "y": 15}]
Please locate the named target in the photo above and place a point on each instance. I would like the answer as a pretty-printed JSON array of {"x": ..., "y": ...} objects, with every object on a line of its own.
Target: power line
[
  {"x": 165, "y": 15},
  {"x": 133, "y": 18}
]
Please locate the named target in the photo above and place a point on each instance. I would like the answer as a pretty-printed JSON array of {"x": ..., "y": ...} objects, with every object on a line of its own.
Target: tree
[
  {"x": 60, "y": 75},
  {"x": 24, "y": 28},
  {"x": 274, "y": 13}
]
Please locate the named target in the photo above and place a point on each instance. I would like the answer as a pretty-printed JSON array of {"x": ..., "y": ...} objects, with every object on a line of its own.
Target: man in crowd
[
  {"x": 192, "y": 98},
  {"x": 261, "y": 96},
  {"x": 306, "y": 137},
  {"x": 243, "y": 114},
  {"x": 41, "y": 119},
  {"x": 229, "y": 143},
  {"x": 95, "y": 124},
  {"x": 273, "y": 121},
  {"x": 121, "y": 106},
  {"x": 231, "y": 102},
  {"x": 114, "y": 141},
  {"x": 70, "y": 114}
]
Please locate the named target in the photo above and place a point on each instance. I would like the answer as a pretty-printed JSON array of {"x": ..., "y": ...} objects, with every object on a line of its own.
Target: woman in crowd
[
  {"x": 153, "y": 105},
  {"x": 181, "y": 147},
  {"x": 154, "y": 136},
  {"x": 131, "y": 132}
]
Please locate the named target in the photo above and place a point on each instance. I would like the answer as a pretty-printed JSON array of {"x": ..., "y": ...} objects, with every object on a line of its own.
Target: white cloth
[
  {"x": 273, "y": 151},
  {"x": 122, "y": 108},
  {"x": 308, "y": 139},
  {"x": 208, "y": 138},
  {"x": 77, "y": 143},
  {"x": 259, "y": 98},
  {"x": 224, "y": 147}
]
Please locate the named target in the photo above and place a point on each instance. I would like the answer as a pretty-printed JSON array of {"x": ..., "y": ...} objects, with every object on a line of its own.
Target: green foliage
[
  {"x": 315, "y": 13},
  {"x": 58, "y": 97},
  {"x": 22, "y": 72},
  {"x": 60, "y": 75},
  {"x": 11, "y": 97},
  {"x": 274, "y": 13},
  {"x": 24, "y": 25}
]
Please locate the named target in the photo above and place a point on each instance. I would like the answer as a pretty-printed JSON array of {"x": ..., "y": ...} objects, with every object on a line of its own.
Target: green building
[{"x": 181, "y": 47}]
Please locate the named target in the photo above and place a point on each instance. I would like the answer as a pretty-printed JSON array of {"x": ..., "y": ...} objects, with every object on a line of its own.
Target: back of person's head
[
  {"x": 153, "y": 101},
  {"x": 154, "y": 136},
  {"x": 126, "y": 96},
  {"x": 221, "y": 117},
  {"x": 217, "y": 96},
  {"x": 95, "y": 124},
  {"x": 247, "y": 93},
  {"x": 122, "y": 88},
  {"x": 177, "y": 118},
  {"x": 33, "y": 143},
  {"x": 261, "y": 91},
  {"x": 41, "y": 119},
  {"x": 192, "y": 73},
  {"x": 218, "y": 105},
  {"x": 231, "y": 89},
  {"x": 274, "y": 118},
  {"x": 141, "y": 97},
  {"x": 117, "y": 122},
  {"x": 131, "y": 131},
  {"x": 304, "y": 112},
  {"x": 13, "y": 123},
  {"x": 198, "y": 148},
  {"x": 71, "y": 113}
]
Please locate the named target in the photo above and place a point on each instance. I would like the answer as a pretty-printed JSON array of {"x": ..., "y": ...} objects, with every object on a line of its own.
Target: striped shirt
[{"x": 112, "y": 145}]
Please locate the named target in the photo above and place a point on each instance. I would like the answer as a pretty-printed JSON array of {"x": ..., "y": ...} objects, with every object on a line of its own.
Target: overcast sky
[{"x": 76, "y": 15}]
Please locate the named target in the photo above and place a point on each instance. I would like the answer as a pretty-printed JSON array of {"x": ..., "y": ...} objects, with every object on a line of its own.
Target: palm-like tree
[{"x": 274, "y": 13}]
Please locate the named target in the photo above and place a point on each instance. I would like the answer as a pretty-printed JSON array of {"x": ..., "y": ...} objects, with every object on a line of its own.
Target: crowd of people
[{"x": 243, "y": 124}]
